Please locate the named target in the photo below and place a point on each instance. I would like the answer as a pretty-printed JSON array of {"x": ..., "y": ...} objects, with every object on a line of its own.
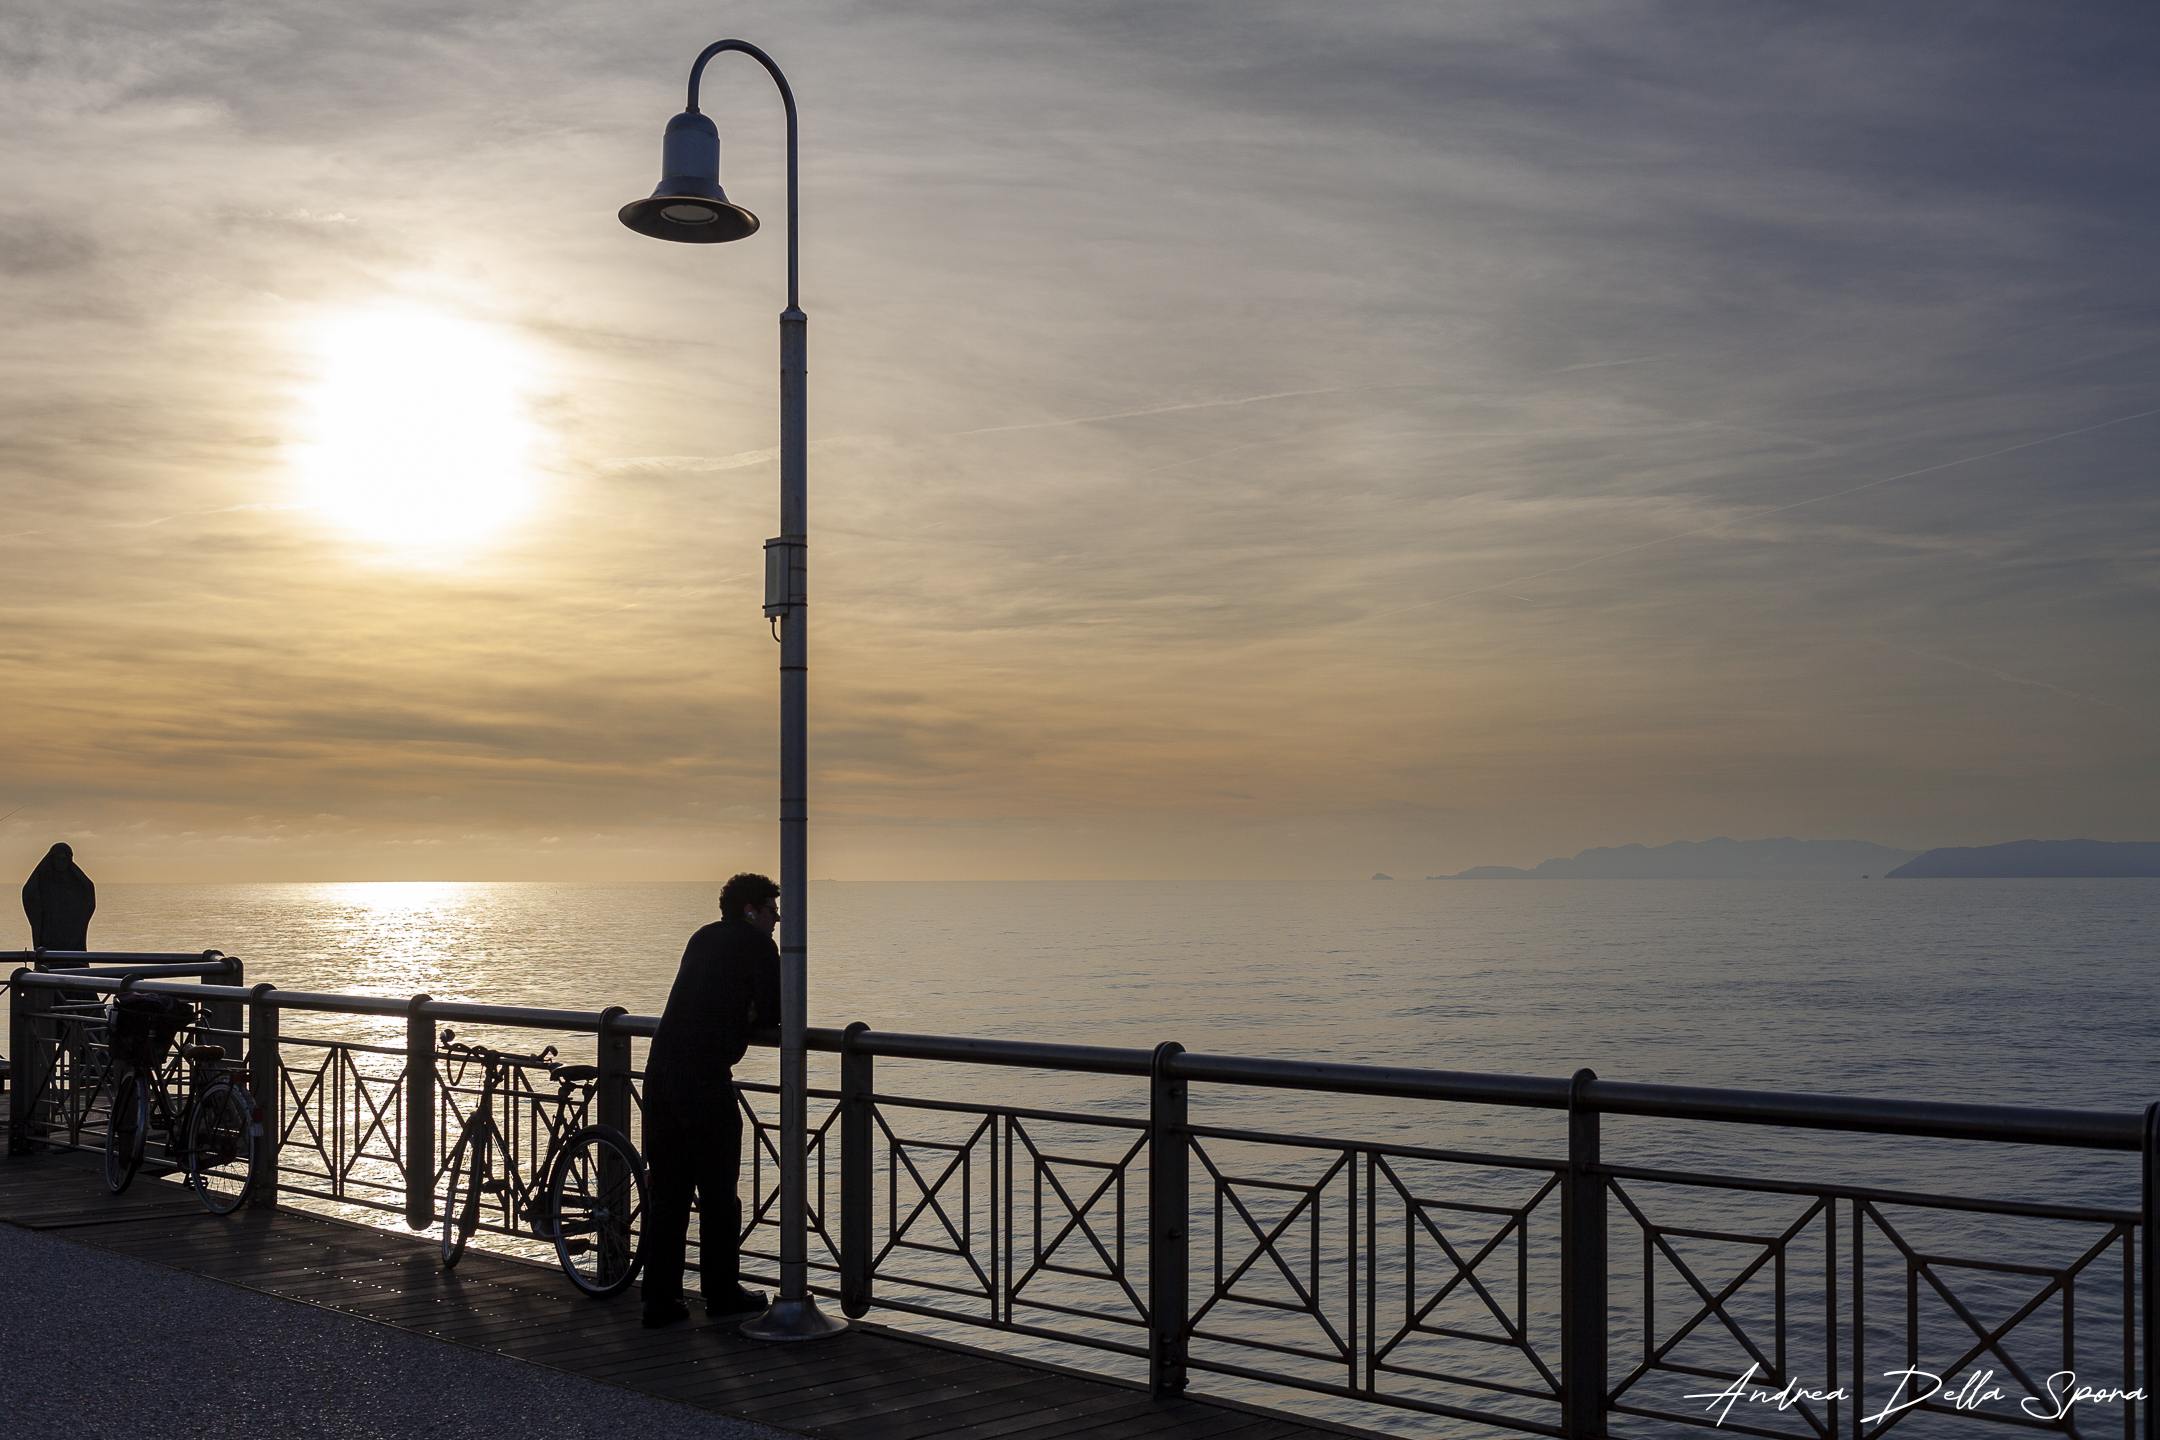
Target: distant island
[
  {"x": 2037, "y": 860},
  {"x": 1790, "y": 859},
  {"x": 1719, "y": 859}
]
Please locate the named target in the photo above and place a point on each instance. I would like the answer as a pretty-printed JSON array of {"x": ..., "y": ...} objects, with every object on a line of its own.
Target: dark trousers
[{"x": 693, "y": 1142}]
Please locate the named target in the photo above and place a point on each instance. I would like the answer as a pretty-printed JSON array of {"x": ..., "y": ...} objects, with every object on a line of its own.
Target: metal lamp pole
[{"x": 689, "y": 206}]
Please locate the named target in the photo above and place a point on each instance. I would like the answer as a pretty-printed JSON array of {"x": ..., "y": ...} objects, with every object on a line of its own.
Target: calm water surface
[{"x": 2040, "y": 992}]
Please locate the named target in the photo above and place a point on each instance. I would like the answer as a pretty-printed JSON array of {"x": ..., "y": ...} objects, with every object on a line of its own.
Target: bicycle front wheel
[
  {"x": 597, "y": 1200},
  {"x": 461, "y": 1196},
  {"x": 126, "y": 1124},
  {"x": 222, "y": 1135}
]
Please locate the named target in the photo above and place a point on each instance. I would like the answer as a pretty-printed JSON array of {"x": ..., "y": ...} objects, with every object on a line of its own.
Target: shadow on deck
[{"x": 872, "y": 1383}]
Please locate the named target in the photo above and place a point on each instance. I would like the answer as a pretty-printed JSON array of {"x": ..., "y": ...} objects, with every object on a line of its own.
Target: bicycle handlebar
[{"x": 487, "y": 1055}]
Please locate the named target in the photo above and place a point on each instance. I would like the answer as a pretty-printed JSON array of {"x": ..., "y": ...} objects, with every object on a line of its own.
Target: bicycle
[
  {"x": 587, "y": 1197},
  {"x": 212, "y": 1133}
]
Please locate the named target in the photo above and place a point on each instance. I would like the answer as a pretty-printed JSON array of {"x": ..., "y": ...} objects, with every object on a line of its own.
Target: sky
[{"x": 1248, "y": 440}]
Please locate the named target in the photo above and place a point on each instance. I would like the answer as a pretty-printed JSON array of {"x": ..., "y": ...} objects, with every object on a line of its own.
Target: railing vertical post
[
  {"x": 1169, "y": 1222},
  {"x": 419, "y": 1115},
  {"x": 267, "y": 1086},
  {"x": 225, "y": 1014},
  {"x": 613, "y": 1059},
  {"x": 1582, "y": 1270},
  {"x": 857, "y": 1087},
  {"x": 24, "y": 1063},
  {"x": 2149, "y": 1276}
]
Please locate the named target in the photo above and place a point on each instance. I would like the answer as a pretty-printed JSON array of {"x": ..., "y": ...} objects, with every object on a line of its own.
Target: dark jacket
[
  {"x": 728, "y": 984},
  {"x": 59, "y": 901}
]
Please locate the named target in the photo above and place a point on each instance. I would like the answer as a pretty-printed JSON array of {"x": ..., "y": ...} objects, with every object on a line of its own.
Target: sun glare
[{"x": 421, "y": 436}]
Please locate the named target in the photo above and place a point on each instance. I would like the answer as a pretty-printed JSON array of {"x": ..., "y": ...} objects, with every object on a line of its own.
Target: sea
[
  {"x": 2018, "y": 992},
  {"x": 2040, "y": 992}
]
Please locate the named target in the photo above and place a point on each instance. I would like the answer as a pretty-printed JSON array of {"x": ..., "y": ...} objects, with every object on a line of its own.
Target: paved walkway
[
  {"x": 106, "y": 1347},
  {"x": 114, "y": 1314}
]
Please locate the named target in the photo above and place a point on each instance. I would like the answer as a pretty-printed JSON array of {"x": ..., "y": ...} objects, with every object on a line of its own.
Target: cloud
[{"x": 1207, "y": 402}]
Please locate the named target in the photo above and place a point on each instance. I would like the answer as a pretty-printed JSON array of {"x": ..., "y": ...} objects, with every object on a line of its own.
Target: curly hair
[{"x": 746, "y": 892}]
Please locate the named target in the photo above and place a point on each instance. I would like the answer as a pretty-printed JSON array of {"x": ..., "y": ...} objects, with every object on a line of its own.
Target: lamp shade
[{"x": 689, "y": 206}]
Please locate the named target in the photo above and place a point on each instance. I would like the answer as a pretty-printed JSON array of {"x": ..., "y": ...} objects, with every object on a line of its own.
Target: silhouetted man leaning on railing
[{"x": 729, "y": 984}]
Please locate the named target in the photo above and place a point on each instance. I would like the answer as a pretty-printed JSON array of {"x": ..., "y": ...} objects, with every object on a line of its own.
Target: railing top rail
[
  {"x": 525, "y": 1017},
  {"x": 93, "y": 956},
  {"x": 143, "y": 972},
  {"x": 2032, "y": 1125},
  {"x": 2016, "y": 1124},
  {"x": 2091, "y": 1129},
  {"x": 983, "y": 1050},
  {"x": 216, "y": 960}
]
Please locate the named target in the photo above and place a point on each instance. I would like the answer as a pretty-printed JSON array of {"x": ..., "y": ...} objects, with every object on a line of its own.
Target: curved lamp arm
[{"x": 787, "y": 99}]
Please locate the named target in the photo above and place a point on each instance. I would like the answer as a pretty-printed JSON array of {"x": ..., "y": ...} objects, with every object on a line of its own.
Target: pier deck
[{"x": 872, "y": 1383}]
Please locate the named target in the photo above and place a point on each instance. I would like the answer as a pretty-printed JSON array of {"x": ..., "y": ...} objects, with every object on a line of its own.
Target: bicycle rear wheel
[
  {"x": 221, "y": 1140},
  {"x": 127, "y": 1122},
  {"x": 597, "y": 1199}
]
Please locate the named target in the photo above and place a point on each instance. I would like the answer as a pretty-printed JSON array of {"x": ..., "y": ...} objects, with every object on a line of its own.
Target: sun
[{"x": 420, "y": 434}]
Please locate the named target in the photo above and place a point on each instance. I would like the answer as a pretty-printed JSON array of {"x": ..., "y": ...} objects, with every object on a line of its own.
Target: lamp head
[{"x": 689, "y": 206}]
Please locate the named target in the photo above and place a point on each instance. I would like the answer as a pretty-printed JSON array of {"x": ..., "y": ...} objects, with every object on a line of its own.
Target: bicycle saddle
[
  {"x": 207, "y": 1054},
  {"x": 573, "y": 1074}
]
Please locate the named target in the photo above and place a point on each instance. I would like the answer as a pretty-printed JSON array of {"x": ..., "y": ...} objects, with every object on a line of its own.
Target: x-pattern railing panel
[
  {"x": 378, "y": 1114},
  {"x": 1795, "y": 1302},
  {"x": 761, "y": 1197},
  {"x": 75, "y": 1094},
  {"x": 341, "y": 1122},
  {"x": 305, "y": 1123},
  {"x": 1502, "y": 1305},
  {"x": 934, "y": 1191},
  {"x": 1089, "y": 1184},
  {"x": 1021, "y": 1219},
  {"x": 1412, "y": 1278},
  {"x": 1697, "y": 1329},
  {"x": 1252, "y": 1268},
  {"x": 1943, "y": 1296}
]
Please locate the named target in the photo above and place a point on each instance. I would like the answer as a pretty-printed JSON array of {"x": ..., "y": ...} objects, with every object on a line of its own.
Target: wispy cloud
[{"x": 1766, "y": 511}]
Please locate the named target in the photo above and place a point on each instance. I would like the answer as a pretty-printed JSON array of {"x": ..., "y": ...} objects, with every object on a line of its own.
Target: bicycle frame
[
  {"x": 525, "y": 1197},
  {"x": 176, "y": 1111}
]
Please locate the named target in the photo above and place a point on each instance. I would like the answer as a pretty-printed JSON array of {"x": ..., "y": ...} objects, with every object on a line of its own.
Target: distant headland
[
  {"x": 2036, "y": 860},
  {"x": 1719, "y": 859},
  {"x": 1789, "y": 859}
]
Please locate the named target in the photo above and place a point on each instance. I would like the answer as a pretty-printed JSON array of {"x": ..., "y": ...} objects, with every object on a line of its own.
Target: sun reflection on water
[{"x": 399, "y": 927}]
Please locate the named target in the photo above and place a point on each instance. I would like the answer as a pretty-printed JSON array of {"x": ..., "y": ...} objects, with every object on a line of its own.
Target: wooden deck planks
[{"x": 869, "y": 1384}]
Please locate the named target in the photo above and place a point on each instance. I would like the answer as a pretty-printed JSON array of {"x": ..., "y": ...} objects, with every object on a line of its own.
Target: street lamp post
[{"x": 690, "y": 206}]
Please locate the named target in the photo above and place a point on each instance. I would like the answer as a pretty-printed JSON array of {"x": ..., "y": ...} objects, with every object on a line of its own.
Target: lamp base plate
[{"x": 793, "y": 1320}]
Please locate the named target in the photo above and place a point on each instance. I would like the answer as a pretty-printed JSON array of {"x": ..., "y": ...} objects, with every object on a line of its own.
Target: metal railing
[{"x": 1554, "y": 1293}]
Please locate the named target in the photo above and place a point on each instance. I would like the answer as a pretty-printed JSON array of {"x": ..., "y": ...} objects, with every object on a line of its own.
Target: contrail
[
  {"x": 1183, "y": 405},
  {"x": 1997, "y": 674},
  {"x": 160, "y": 520},
  {"x": 1607, "y": 364},
  {"x": 759, "y": 457},
  {"x": 182, "y": 514},
  {"x": 1772, "y": 510}
]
